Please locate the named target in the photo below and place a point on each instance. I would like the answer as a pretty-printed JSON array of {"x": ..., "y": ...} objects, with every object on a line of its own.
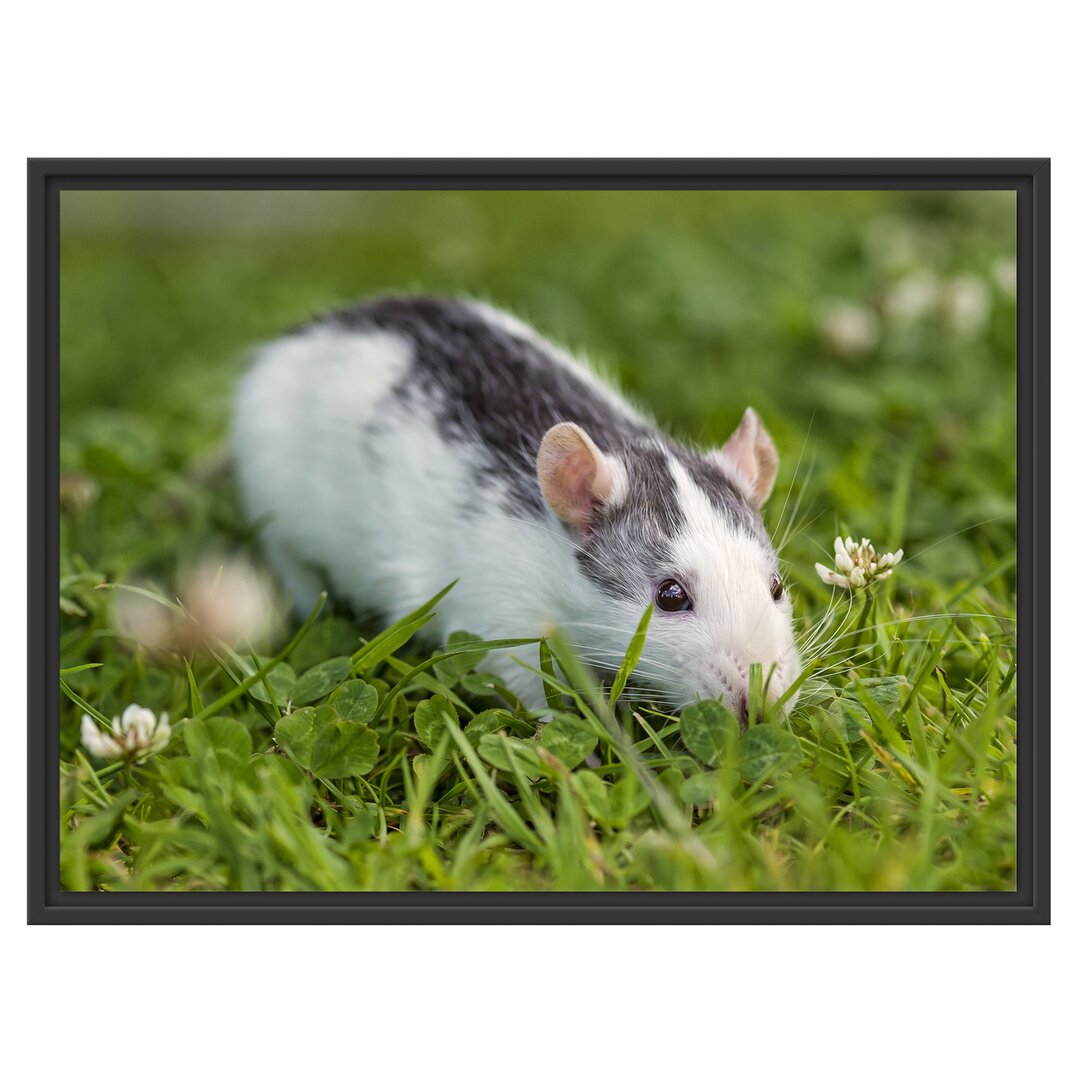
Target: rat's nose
[{"x": 742, "y": 707}]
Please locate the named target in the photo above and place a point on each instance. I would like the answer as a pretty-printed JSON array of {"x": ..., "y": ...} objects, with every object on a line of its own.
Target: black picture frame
[{"x": 1028, "y": 177}]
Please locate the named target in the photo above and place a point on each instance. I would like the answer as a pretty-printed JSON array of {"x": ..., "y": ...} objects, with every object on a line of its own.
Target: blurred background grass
[
  {"x": 875, "y": 333},
  {"x": 875, "y": 327}
]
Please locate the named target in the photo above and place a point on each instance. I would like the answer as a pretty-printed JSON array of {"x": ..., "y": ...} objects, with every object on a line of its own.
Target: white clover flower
[
  {"x": 136, "y": 734},
  {"x": 1004, "y": 273},
  {"x": 77, "y": 491},
  {"x": 849, "y": 329},
  {"x": 858, "y": 565},
  {"x": 912, "y": 297},
  {"x": 230, "y": 600},
  {"x": 143, "y": 620},
  {"x": 966, "y": 304},
  {"x": 225, "y": 600}
]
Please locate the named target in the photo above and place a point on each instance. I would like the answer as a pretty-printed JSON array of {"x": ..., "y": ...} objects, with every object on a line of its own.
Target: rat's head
[{"x": 655, "y": 523}]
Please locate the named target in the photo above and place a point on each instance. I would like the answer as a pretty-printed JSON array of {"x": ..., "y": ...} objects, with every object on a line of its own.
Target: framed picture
[{"x": 539, "y": 541}]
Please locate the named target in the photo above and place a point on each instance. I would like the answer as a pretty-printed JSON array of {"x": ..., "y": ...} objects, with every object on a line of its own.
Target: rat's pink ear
[
  {"x": 575, "y": 474},
  {"x": 751, "y": 456}
]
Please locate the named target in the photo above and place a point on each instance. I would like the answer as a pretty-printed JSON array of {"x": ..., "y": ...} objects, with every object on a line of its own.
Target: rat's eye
[
  {"x": 777, "y": 588},
  {"x": 671, "y": 596}
]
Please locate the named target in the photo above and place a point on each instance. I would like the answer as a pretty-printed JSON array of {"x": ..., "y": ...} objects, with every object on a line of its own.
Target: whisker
[
  {"x": 835, "y": 601},
  {"x": 802, "y": 528},
  {"x": 959, "y": 532},
  {"x": 795, "y": 473},
  {"x": 795, "y": 510},
  {"x": 563, "y": 539},
  {"x": 923, "y": 618}
]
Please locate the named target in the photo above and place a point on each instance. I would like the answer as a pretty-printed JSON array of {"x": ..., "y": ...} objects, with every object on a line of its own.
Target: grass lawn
[{"x": 875, "y": 334}]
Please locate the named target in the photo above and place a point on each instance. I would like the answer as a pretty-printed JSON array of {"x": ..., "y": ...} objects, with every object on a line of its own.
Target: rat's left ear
[
  {"x": 576, "y": 475},
  {"x": 751, "y": 456}
]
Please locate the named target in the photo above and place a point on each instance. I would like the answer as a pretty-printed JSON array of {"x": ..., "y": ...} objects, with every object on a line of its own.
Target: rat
[{"x": 392, "y": 447}]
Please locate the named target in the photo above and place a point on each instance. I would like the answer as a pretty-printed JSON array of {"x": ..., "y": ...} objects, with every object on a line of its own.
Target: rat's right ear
[
  {"x": 750, "y": 455},
  {"x": 575, "y": 474}
]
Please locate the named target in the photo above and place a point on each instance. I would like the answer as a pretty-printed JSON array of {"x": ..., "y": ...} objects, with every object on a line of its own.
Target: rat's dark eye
[
  {"x": 777, "y": 588},
  {"x": 671, "y": 596}
]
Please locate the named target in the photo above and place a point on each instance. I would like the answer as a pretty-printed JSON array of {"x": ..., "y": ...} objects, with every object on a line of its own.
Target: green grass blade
[{"x": 630, "y": 660}]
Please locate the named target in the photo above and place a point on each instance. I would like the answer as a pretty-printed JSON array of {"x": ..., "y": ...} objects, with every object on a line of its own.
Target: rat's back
[{"x": 389, "y": 448}]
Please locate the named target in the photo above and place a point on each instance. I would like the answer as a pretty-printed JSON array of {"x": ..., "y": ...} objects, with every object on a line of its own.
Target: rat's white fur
[
  {"x": 735, "y": 621},
  {"x": 388, "y": 516}
]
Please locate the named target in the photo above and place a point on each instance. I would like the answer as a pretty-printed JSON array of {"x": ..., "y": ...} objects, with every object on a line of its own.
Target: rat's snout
[
  {"x": 734, "y": 689},
  {"x": 731, "y": 668},
  {"x": 734, "y": 677}
]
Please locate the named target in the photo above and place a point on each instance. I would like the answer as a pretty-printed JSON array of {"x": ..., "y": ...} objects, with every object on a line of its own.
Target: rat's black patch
[
  {"x": 723, "y": 494},
  {"x": 493, "y": 388},
  {"x": 501, "y": 392},
  {"x": 627, "y": 547}
]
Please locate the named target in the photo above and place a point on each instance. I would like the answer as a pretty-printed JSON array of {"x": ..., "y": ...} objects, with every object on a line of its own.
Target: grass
[{"x": 351, "y": 759}]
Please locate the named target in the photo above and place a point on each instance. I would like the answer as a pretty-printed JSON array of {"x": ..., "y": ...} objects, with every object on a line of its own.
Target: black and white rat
[{"x": 397, "y": 445}]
